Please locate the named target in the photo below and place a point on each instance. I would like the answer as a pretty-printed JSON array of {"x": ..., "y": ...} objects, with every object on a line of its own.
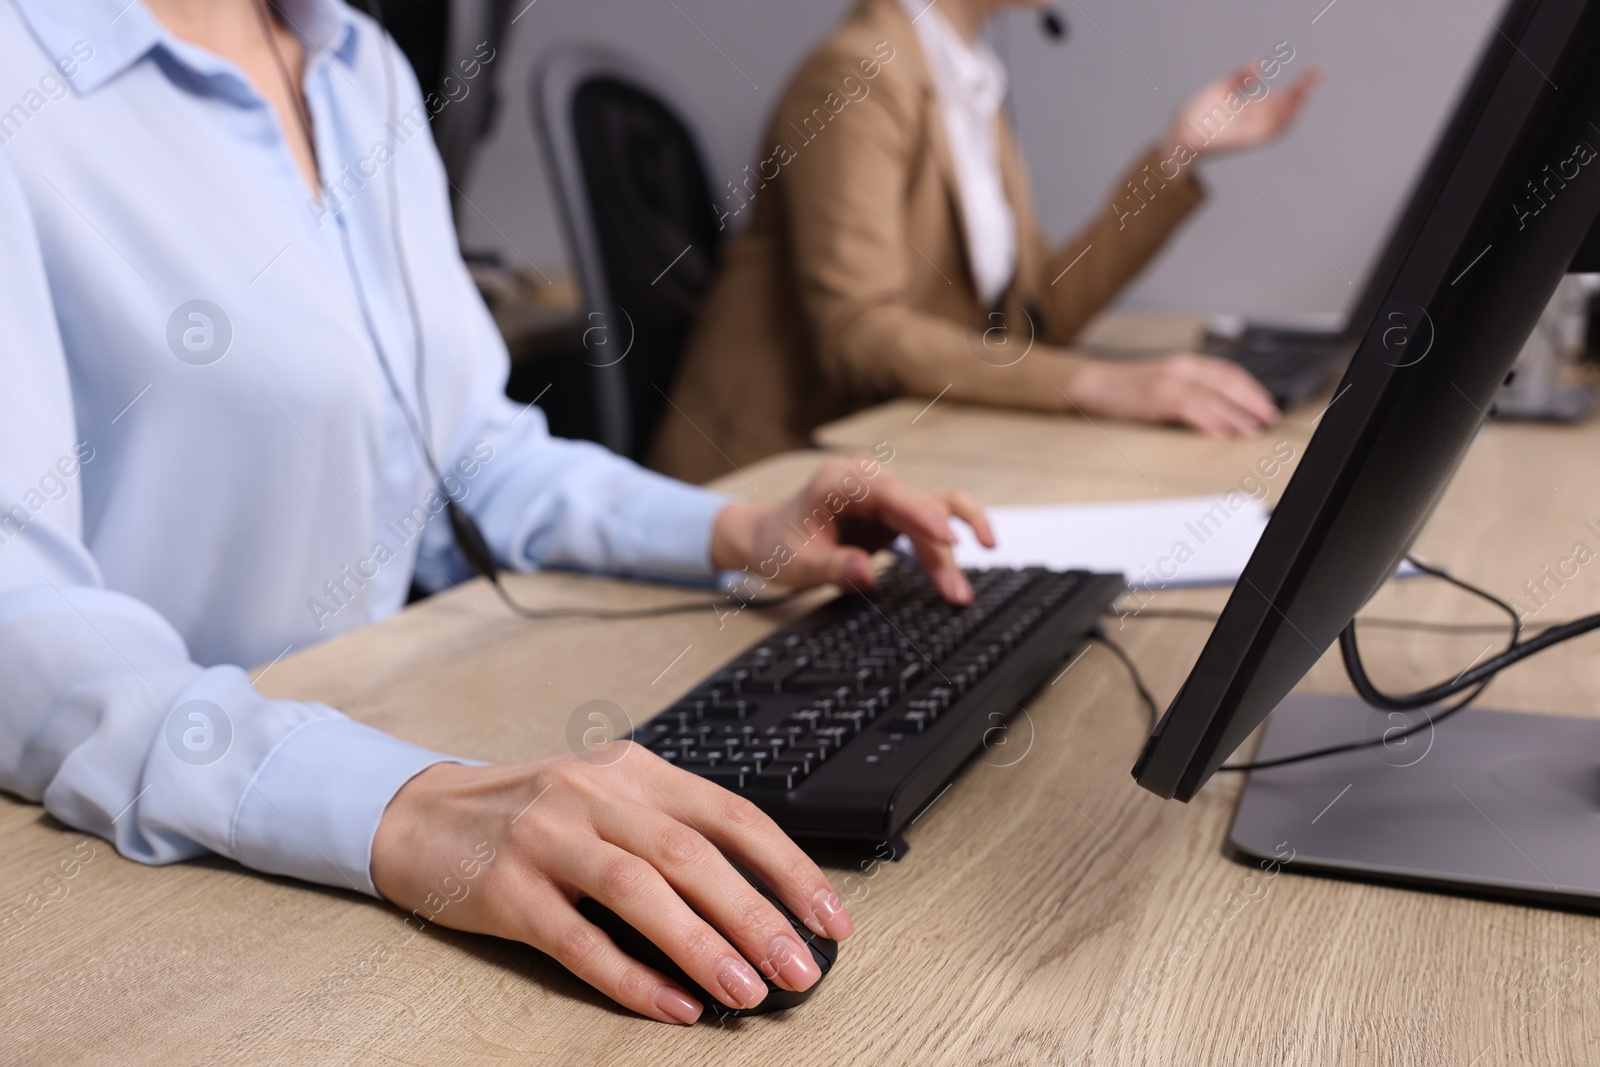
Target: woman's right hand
[
  {"x": 509, "y": 850},
  {"x": 1216, "y": 397}
]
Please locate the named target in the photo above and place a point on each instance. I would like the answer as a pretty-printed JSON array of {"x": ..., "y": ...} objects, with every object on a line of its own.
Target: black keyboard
[
  {"x": 1293, "y": 364},
  {"x": 848, "y": 721}
]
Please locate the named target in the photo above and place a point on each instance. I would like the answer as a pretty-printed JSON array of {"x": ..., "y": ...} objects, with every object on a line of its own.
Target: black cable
[
  {"x": 391, "y": 178},
  {"x": 1364, "y": 688},
  {"x": 1099, "y": 634},
  {"x": 1430, "y": 721},
  {"x": 300, "y": 114},
  {"x": 1445, "y": 576},
  {"x": 1397, "y": 624},
  {"x": 1385, "y": 739},
  {"x": 1374, "y": 622},
  {"x": 1468, "y": 678},
  {"x": 1474, "y": 680},
  {"x": 1189, "y": 614},
  {"x": 1515, "y": 651}
]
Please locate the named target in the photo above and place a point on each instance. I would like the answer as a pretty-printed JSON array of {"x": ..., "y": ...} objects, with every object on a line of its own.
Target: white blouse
[
  {"x": 205, "y": 468},
  {"x": 971, "y": 82}
]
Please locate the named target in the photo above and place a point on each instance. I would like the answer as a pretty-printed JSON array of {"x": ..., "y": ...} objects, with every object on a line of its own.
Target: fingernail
[
  {"x": 954, "y": 587},
  {"x": 790, "y": 964},
  {"x": 679, "y": 1005},
  {"x": 741, "y": 983},
  {"x": 829, "y": 911}
]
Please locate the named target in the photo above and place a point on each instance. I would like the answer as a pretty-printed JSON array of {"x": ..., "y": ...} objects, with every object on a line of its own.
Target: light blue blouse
[{"x": 201, "y": 463}]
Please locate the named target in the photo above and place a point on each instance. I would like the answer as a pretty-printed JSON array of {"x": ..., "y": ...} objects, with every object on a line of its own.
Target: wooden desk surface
[{"x": 1033, "y": 921}]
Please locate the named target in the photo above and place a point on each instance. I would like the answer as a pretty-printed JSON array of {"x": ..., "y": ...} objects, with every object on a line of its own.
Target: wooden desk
[
  {"x": 1033, "y": 921},
  {"x": 1168, "y": 460}
]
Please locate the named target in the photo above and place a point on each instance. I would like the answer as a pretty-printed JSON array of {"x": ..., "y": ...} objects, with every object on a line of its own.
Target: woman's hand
[
  {"x": 509, "y": 850},
  {"x": 829, "y": 530},
  {"x": 1218, "y": 398},
  {"x": 1240, "y": 111}
]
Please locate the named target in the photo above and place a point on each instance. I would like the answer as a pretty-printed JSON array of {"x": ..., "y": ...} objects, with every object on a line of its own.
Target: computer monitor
[
  {"x": 1511, "y": 198},
  {"x": 1297, "y": 361}
]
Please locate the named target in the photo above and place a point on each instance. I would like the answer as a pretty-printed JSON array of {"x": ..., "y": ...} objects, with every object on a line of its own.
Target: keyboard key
[
  {"x": 777, "y": 677},
  {"x": 727, "y": 775},
  {"x": 704, "y": 768},
  {"x": 782, "y": 776},
  {"x": 690, "y": 710},
  {"x": 812, "y": 750},
  {"x": 821, "y": 679},
  {"x": 732, "y": 709},
  {"x": 855, "y": 718},
  {"x": 912, "y": 722},
  {"x": 832, "y": 735},
  {"x": 804, "y": 761}
]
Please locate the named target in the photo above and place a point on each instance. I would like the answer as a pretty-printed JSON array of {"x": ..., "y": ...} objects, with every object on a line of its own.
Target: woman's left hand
[
  {"x": 828, "y": 531},
  {"x": 1207, "y": 124}
]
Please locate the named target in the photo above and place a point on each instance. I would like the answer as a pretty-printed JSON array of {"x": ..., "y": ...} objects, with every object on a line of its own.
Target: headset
[
  {"x": 464, "y": 528},
  {"x": 1053, "y": 25}
]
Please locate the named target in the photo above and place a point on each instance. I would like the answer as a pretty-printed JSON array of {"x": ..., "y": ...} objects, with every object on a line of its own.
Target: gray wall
[{"x": 1083, "y": 110}]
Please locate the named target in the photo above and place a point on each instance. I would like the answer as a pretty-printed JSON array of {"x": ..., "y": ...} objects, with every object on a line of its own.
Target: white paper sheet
[{"x": 1202, "y": 540}]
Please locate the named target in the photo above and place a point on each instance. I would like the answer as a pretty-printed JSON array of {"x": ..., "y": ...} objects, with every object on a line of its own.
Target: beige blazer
[{"x": 851, "y": 284}]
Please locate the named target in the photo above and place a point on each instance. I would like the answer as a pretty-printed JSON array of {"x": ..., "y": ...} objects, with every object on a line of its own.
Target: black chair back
[{"x": 631, "y": 182}]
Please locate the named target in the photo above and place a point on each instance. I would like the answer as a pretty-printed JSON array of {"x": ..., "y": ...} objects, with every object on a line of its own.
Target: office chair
[
  {"x": 629, "y": 171},
  {"x": 437, "y": 36}
]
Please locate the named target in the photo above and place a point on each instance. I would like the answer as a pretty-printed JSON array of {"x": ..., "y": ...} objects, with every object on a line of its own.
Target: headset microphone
[{"x": 1053, "y": 25}]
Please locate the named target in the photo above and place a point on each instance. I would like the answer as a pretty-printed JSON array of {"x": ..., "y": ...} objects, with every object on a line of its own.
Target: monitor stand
[{"x": 1491, "y": 803}]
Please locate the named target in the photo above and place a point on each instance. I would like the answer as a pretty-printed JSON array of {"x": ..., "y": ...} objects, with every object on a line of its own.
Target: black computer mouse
[{"x": 824, "y": 950}]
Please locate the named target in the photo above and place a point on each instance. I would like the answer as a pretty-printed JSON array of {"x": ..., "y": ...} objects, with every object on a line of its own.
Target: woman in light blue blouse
[{"x": 203, "y": 462}]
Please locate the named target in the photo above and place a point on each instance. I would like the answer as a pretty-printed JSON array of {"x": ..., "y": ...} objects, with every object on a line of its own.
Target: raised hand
[{"x": 1241, "y": 110}]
